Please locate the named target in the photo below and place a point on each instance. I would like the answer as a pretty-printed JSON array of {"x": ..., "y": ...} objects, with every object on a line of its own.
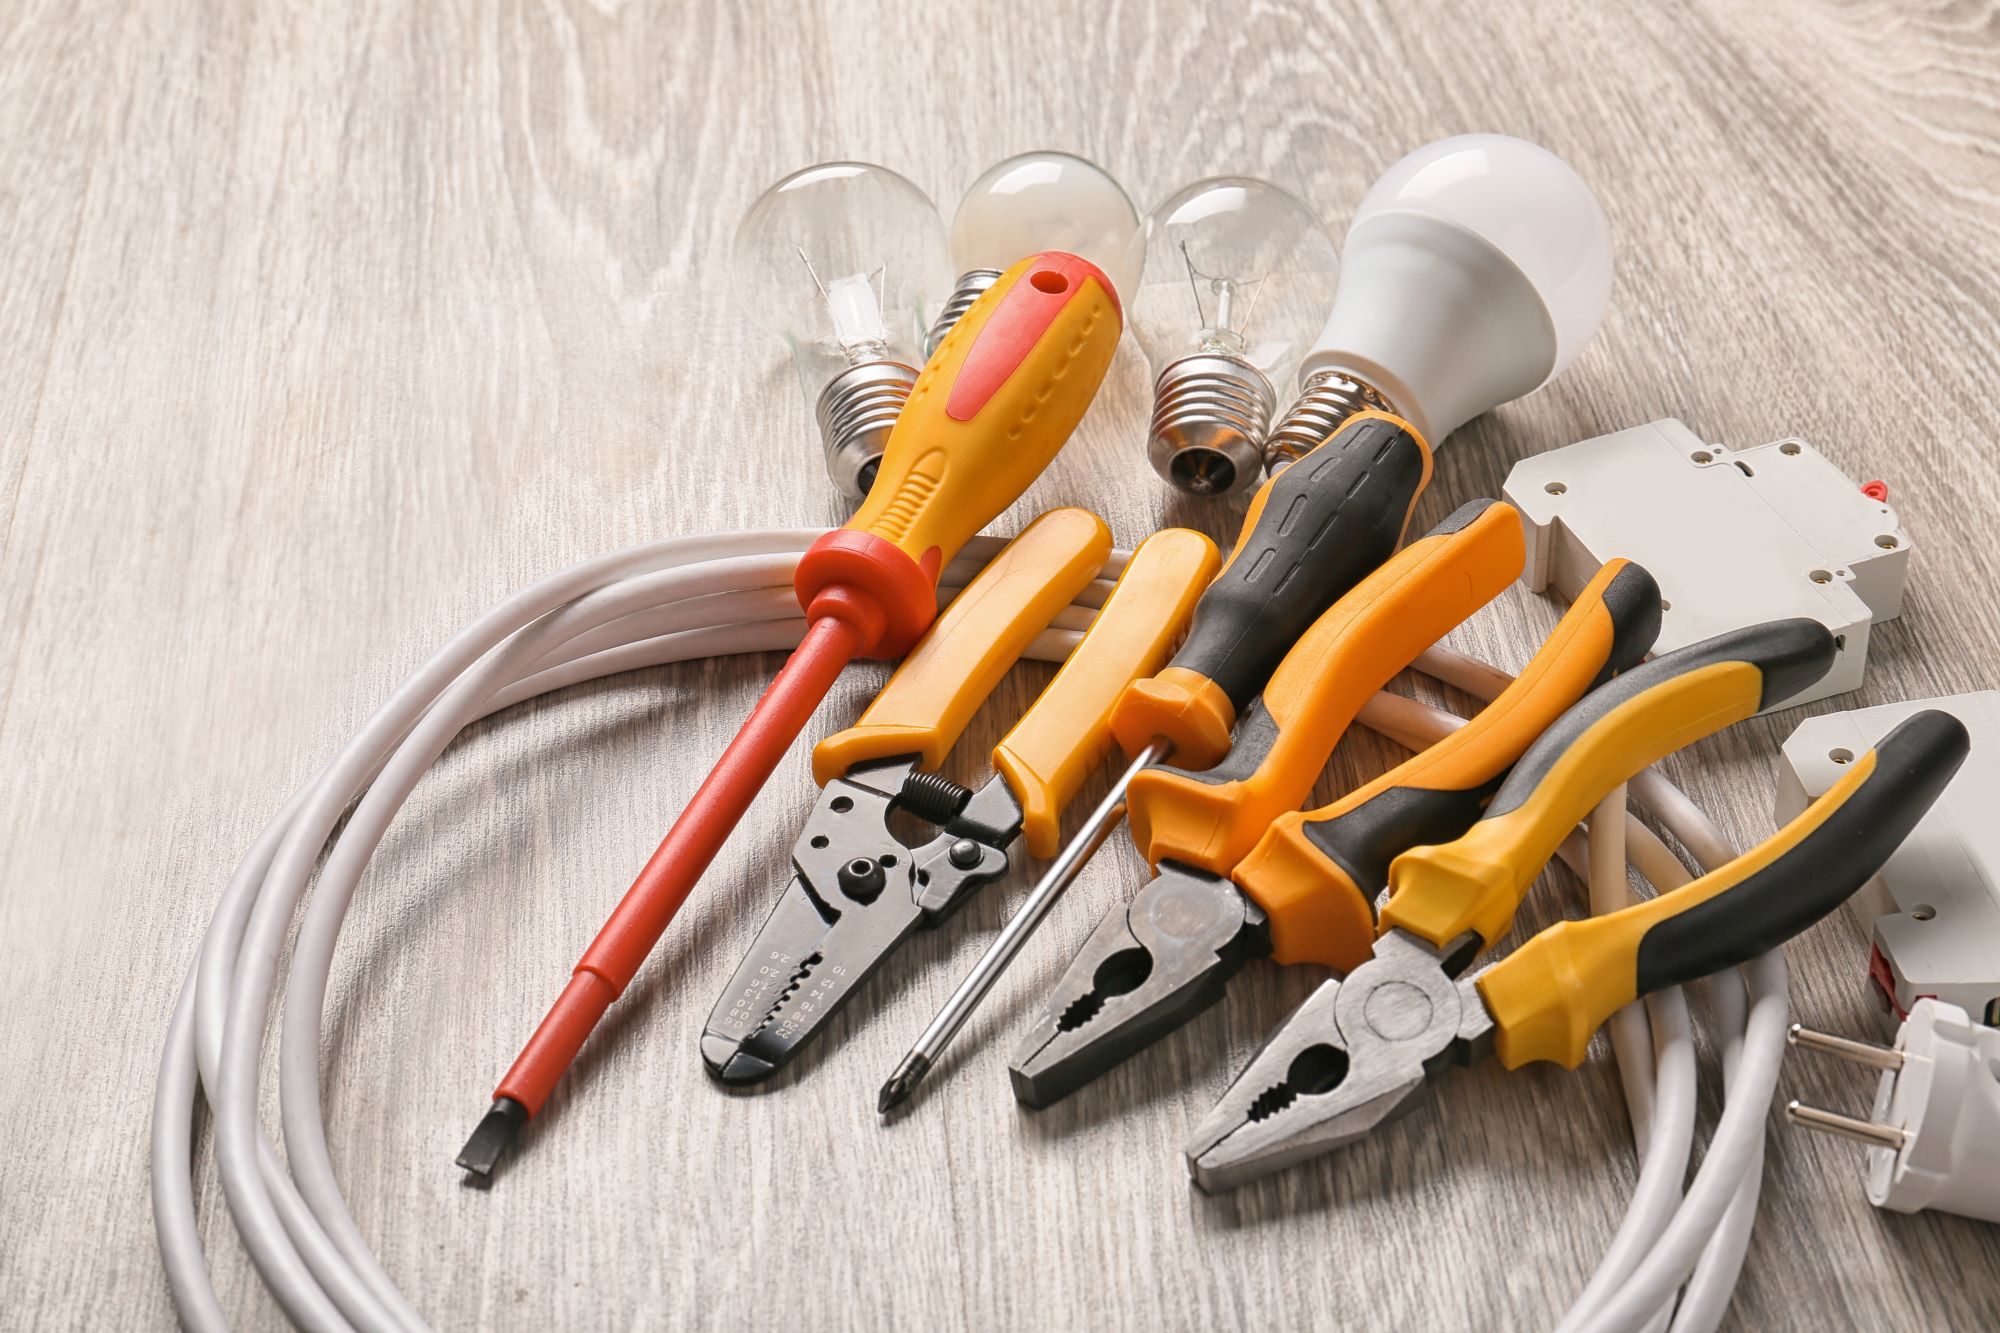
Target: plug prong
[
  {"x": 1846, "y": 1048},
  {"x": 1847, "y": 1127}
]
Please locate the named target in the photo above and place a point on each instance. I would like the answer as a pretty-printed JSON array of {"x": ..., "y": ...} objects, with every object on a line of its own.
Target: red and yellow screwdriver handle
[
  {"x": 1317, "y": 873},
  {"x": 1548, "y": 996},
  {"x": 998, "y": 398},
  {"x": 1312, "y": 532},
  {"x": 1211, "y": 818},
  {"x": 1474, "y": 884}
]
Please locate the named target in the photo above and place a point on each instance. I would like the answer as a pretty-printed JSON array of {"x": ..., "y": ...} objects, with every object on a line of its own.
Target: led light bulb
[
  {"x": 1238, "y": 273},
  {"x": 1039, "y": 201},
  {"x": 1476, "y": 269},
  {"x": 847, "y": 263}
]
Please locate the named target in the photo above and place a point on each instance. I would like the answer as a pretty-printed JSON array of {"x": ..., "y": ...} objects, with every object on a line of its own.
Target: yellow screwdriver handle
[
  {"x": 1549, "y": 995},
  {"x": 999, "y": 397},
  {"x": 1059, "y": 740},
  {"x": 934, "y": 693},
  {"x": 1474, "y": 884}
]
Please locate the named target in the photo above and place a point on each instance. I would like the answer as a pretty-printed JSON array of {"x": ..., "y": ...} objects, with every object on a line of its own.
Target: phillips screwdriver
[
  {"x": 1312, "y": 532},
  {"x": 996, "y": 401}
]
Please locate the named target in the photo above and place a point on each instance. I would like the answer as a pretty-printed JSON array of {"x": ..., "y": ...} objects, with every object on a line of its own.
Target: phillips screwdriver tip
[
  {"x": 490, "y": 1141},
  {"x": 902, "y": 1083}
]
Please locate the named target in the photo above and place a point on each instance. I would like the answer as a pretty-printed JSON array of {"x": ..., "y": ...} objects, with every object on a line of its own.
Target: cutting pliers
[
  {"x": 1154, "y": 963},
  {"x": 1357, "y": 1052},
  {"x": 856, "y": 891}
]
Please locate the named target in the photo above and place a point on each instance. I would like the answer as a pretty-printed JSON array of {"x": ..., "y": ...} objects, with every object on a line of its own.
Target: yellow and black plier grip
[
  {"x": 1473, "y": 884},
  {"x": 1359, "y": 1050}
]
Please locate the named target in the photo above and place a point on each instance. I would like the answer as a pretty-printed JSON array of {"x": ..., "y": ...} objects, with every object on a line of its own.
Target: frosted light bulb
[
  {"x": 847, "y": 263},
  {"x": 1039, "y": 201},
  {"x": 1238, "y": 274},
  {"x": 1475, "y": 270}
]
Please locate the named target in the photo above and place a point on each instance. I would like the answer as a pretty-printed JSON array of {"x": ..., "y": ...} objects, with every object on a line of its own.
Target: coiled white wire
[{"x": 709, "y": 596}]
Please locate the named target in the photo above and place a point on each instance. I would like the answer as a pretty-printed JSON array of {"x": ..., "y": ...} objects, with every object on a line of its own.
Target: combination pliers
[
  {"x": 1359, "y": 1049},
  {"x": 1157, "y": 961}
]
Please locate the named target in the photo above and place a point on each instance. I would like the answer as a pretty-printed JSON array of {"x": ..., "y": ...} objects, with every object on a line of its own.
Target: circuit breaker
[
  {"x": 1933, "y": 912},
  {"x": 1735, "y": 537}
]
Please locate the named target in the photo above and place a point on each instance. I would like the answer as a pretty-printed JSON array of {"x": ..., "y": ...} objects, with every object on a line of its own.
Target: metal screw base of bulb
[
  {"x": 1209, "y": 417},
  {"x": 1327, "y": 399},
  {"x": 970, "y": 287},
  {"x": 856, "y": 410}
]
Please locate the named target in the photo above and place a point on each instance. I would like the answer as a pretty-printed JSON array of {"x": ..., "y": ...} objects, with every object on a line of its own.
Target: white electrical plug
[{"x": 1936, "y": 1117}]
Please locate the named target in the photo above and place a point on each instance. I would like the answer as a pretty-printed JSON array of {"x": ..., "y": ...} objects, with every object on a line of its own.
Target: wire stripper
[
  {"x": 1153, "y": 964},
  {"x": 856, "y": 891},
  {"x": 1356, "y": 1053}
]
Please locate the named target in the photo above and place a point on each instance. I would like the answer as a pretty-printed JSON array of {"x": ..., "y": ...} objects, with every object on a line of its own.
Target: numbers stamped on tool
[{"x": 753, "y": 1001}]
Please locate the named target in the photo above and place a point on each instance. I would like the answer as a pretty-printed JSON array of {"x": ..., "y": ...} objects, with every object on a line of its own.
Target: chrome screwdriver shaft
[{"x": 1060, "y": 874}]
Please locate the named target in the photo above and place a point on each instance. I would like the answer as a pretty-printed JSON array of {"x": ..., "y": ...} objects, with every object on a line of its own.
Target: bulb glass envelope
[
  {"x": 848, "y": 263},
  {"x": 1048, "y": 200},
  {"x": 1234, "y": 267}
]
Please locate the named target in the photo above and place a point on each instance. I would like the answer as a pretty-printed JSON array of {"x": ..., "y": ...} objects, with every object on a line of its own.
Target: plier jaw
[
  {"x": 1353, "y": 1057},
  {"x": 1149, "y": 967},
  {"x": 855, "y": 893}
]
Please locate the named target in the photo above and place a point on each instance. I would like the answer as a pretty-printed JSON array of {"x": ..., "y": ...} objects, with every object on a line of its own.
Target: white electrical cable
[
  {"x": 1704, "y": 1243},
  {"x": 663, "y": 602}
]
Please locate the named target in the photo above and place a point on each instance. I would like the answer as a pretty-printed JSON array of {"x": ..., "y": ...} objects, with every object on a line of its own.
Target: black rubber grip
[
  {"x": 1913, "y": 765},
  {"x": 1788, "y": 654},
  {"x": 1364, "y": 839},
  {"x": 1323, "y": 524}
]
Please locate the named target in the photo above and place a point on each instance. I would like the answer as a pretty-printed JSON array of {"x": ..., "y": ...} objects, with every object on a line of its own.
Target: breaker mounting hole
[
  {"x": 1702, "y": 456},
  {"x": 1821, "y": 576},
  {"x": 1556, "y": 488},
  {"x": 1922, "y": 912},
  {"x": 1887, "y": 541},
  {"x": 1843, "y": 755},
  {"x": 1789, "y": 449}
]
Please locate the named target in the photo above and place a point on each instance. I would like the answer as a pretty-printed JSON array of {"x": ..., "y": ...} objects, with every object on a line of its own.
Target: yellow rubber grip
[
  {"x": 1054, "y": 746},
  {"x": 1550, "y": 995},
  {"x": 1212, "y": 819},
  {"x": 1474, "y": 884},
  {"x": 1320, "y": 870},
  {"x": 999, "y": 397},
  {"x": 972, "y": 643}
]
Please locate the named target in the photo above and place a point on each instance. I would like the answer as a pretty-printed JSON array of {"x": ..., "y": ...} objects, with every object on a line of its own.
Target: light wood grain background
[{"x": 322, "y": 326}]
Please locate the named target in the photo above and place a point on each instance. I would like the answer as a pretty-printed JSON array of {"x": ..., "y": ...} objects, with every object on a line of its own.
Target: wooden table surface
[{"x": 324, "y": 326}]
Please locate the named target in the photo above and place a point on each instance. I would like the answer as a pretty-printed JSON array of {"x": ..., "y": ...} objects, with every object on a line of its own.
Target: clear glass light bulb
[
  {"x": 1238, "y": 274},
  {"x": 1037, "y": 201},
  {"x": 847, "y": 262},
  {"x": 1477, "y": 268}
]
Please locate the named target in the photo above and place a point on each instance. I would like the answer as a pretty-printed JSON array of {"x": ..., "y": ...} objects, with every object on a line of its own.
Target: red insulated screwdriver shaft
[
  {"x": 670, "y": 874},
  {"x": 643, "y": 914},
  {"x": 999, "y": 397}
]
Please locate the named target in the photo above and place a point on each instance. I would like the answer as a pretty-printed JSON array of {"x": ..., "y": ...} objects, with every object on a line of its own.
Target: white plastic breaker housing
[
  {"x": 1735, "y": 537},
  {"x": 1933, "y": 911}
]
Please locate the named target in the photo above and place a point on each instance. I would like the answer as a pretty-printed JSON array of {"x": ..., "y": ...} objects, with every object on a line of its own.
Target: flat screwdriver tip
[
  {"x": 902, "y": 1083},
  {"x": 490, "y": 1141}
]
